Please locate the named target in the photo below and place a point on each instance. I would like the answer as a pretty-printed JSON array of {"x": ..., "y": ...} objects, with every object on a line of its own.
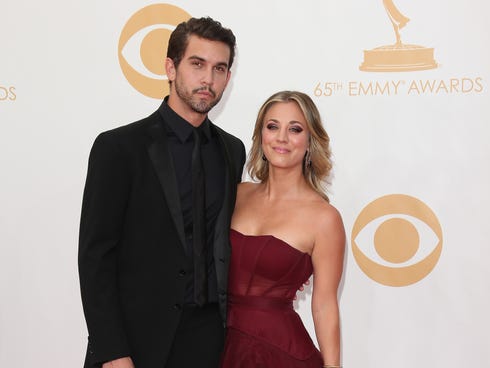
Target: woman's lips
[{"x": 280, "y": 150}]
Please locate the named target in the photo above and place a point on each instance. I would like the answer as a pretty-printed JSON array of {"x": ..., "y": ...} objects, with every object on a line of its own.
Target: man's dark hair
[{"x": 206, "y": 28}]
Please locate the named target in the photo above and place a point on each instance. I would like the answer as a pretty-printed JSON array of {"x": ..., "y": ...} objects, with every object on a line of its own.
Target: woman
[{"x": 283, "y": 230}]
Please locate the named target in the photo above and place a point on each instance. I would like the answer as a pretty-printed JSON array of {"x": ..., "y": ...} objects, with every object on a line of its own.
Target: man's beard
[{"x": 199, "y": 105}]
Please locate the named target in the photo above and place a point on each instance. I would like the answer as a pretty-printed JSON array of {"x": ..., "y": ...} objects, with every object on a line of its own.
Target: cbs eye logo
[
  {"x": 148, "y": 31},
  {"x": 396, "y": 240}
]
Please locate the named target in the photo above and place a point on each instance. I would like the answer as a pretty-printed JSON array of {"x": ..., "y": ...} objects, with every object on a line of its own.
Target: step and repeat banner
[{"x": 403, "y": 89}]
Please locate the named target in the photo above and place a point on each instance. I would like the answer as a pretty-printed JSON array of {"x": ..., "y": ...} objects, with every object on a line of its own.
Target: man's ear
[
  {"x": 170, "y": 69},
  {"x": 228, "y": 78}
]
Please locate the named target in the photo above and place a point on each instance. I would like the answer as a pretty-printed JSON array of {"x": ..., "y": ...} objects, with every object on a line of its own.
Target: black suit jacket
[{"x": 131, "y": 251}]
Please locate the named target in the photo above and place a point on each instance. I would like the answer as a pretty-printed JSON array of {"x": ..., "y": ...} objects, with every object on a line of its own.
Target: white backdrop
[{"x": 419, "y": 135}]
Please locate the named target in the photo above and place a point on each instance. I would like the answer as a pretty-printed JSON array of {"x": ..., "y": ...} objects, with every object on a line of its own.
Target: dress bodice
[
  {"x": 263, "y": 265},
  {"x": 265, "y": 274}
]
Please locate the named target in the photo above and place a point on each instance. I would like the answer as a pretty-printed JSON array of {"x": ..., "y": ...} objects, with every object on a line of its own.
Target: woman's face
[{"x": 285, "y": 135}]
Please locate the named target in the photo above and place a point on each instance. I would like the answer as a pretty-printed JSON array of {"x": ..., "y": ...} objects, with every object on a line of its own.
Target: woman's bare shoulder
[{"x": 326, "y": 217}]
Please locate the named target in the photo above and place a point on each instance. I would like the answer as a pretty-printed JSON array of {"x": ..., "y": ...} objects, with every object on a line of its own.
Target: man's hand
[
  {"x": 125, "y": 362},
  {"x": 301, "y": 288}
]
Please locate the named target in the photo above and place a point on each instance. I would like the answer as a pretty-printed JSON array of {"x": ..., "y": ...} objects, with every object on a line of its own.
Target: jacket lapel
[
  {"x": 222, "y": 249},
  {"x": 163, "y": 163},
  {"x": 224, "y": 216}
]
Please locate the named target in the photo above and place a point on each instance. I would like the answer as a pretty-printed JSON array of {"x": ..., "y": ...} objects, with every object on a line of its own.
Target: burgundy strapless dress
[{"x": 264, "y": 331}]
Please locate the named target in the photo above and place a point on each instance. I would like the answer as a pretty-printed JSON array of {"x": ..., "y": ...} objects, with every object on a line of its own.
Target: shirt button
[
  {"x": 182, "y": 273},
  {"x": 177, "y": 306}
]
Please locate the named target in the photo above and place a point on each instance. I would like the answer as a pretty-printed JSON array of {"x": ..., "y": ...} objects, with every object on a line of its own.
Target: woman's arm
[{"x": 328, "y": 259}]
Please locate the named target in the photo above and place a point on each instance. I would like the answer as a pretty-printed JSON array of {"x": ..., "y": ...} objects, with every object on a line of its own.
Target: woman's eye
[
  {"x": 271, "y": 126},
  {"x": 296, "y": 129}
]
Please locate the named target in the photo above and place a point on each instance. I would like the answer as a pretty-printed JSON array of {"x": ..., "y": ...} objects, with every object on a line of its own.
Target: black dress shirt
[{"x": 181, "y": 143}]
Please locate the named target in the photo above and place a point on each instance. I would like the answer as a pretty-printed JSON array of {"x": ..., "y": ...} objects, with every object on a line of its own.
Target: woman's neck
[{"x": 284, "y": 184}]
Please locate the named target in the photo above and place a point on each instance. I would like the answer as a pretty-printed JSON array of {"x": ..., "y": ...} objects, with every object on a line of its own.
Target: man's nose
[{"x": 208, "y": 76}]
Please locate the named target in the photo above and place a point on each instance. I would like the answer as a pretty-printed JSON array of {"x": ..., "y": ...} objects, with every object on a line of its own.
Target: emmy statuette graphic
[{"x": 399, "y": 57}]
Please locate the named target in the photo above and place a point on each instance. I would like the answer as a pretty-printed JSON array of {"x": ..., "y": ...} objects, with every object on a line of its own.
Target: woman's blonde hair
[{"x": 317, "y": 164}]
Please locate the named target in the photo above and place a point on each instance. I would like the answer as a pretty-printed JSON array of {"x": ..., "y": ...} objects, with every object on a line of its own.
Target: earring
[
  {"x": 307, "y": 159},
  {"x": 264, "y": 158}
]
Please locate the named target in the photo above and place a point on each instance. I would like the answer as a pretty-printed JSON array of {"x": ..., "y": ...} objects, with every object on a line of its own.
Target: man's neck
[{"x": 184, "y": 111}]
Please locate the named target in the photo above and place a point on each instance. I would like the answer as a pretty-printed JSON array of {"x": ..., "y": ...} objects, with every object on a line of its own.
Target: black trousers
[{"x": 199, "y": 339}]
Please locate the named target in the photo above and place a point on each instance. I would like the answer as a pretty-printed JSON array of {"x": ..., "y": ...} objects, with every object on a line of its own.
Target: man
[{"x": 159, "y": 194}]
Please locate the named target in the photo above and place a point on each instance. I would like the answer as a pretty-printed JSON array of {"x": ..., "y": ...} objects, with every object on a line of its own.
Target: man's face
[{"x": 202, "y": 75}]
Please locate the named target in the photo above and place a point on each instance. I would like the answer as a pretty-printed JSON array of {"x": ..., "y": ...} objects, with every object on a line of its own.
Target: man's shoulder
[
  {"x": 132, "y": 130},
  {"x": 228, "y": 136},
  {"x": 126, "y": 138}
]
